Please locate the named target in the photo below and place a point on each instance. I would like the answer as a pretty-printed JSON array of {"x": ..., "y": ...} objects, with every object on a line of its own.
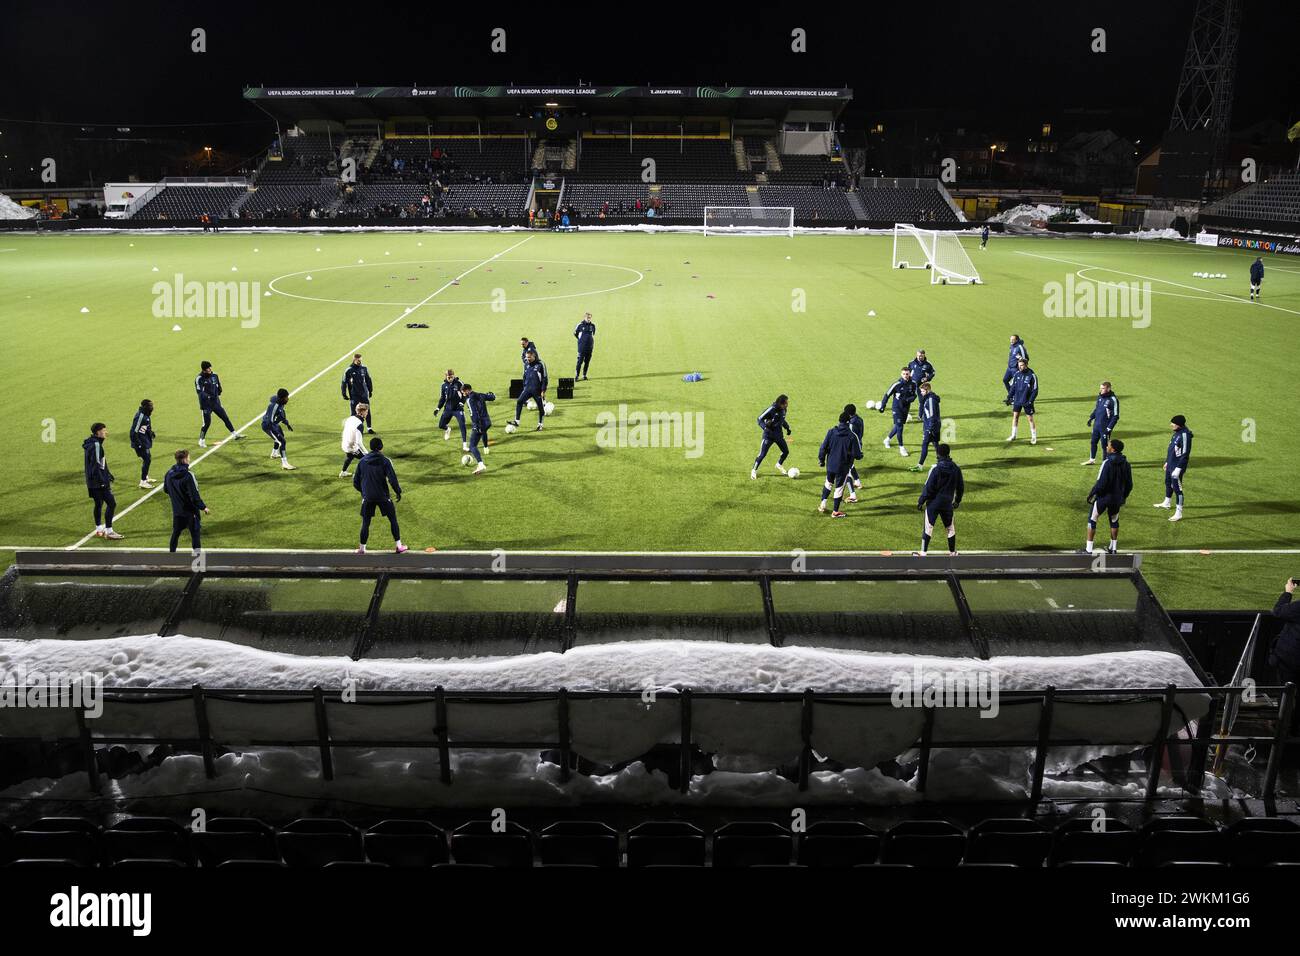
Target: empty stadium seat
[
  {"x": 406, "y": 843},
  {"x": 928, "y": 843},
  {"x": 1263, "y": 847},
  {"x": 317, "y": 842},
  {"x": 234, "y": 838},
  {"x": 1181, "y": 846},
  {"x": 1075, "y": 841},
  {"x": 838, "y": 843},
  {"x": 672, "y": 843},
  {"x": 579, "y": 842},
  {"x": 77, "y": 846},
  {"x": 477, "y": 842},
  {"x": 1016, "y": 841},
  {"x": 751, "y": 844},
  {"x": 130, "y": 844}
]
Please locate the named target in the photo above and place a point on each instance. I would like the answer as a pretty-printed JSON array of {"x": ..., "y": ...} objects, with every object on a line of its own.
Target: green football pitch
[{"x": 821, "y": 318}]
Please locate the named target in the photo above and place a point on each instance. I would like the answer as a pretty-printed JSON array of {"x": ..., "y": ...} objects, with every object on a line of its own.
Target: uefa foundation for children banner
[{"x": 1282, "y": 245}]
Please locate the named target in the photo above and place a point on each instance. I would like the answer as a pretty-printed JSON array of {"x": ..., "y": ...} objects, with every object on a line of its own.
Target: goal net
[
  {"x": 749, "y": 220},
  {"x": 939, "y": 251}
]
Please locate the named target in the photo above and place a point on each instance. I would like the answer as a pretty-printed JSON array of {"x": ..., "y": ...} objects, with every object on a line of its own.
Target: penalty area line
[{"x": 409, "y": 310}]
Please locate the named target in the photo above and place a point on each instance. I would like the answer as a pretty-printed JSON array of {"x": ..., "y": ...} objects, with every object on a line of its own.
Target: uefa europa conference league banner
[{"x": 494, "y": 92}]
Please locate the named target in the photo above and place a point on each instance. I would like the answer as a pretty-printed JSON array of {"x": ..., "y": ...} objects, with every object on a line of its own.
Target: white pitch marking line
[
  {"x": 410, "y": 310},
  {"x": 1182, "y": 285}
]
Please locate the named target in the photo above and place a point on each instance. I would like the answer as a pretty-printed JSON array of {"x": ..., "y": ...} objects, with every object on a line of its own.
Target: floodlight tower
[{"x": 1205, "y": 86}]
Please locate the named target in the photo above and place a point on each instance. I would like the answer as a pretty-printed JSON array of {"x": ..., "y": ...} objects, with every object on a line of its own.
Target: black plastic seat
[
  {"x": 148, "y": 864},
  {"x": 478, "y": 842},
  {"x": 838, "y": 843},
  {"x": 924, "y": 843},
  {"x": 355, "y": 865},
  {"x": 46, "y": 864},
  {"x": 750, "y": 844},
  {"x": 312, "y": 841},
  {"x": 234, "y": 838},
  {"x": 253, "y": 865},
  {"x": 1184, "y": 824},
  {"x": 1181, "y": 846},
  {"x": 76, "y": 845},
  {"x": 122, "y": 845},
  {"x": 1263, "y": 847},
  {"x": 406, "y": 843},
  {"x": 665, "y": 843},
  {"x": 64, "y": 825},
  {"x": 578, "y": 843},
  {"x": 1008, "y": 841},
  {"x": 1262, "y": 825},
  {"x": 1075, "y": 841}
]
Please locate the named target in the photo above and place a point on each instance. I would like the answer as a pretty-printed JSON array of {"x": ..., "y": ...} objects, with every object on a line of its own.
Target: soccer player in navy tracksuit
[
  {"x": 772, "y": 422},
  {"x": 272, "y": 419},
  {"x": 1017, "y": 352},
  {"x": 585, "y": 333},
  {"x": 931, "y": 422},
  {"x": 1256, "y": 276},
  {"x": 452, "y": 405},
  {"x": 858, "y": 428},
  {"x": 941, "y": 496},
  {"x": 187, "y": 505},
  {"x": 1113, "y": 486},
  {"x": 900, "y": 395},
  {"x": 535, "y": 382},
  {"x": 208, "y": 387},
  {"x": 1176, "y": 458},
  {"x": 984, "y": 237},
  {"x": 922, "y": 370},
  {"x": 1104, "y": 418},
  {"x": 839, "y": 450},
  {"x": 373, "y": 477},
  {"x": 526, "y": 345},
  {"x": 142, "y": 440},
  {"x": 480, "y": 422},
  {"x": 1024, "y": 391},
  {"x": 358, "y": 387},
  {"x": 99, "y": 481}
]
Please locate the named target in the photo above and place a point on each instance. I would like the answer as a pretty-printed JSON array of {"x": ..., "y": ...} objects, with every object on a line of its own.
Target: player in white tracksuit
[{"x": 353, "y": 445}]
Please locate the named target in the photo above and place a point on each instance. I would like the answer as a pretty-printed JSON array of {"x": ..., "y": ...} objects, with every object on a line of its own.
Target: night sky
[{"x": 130, "y": 64}]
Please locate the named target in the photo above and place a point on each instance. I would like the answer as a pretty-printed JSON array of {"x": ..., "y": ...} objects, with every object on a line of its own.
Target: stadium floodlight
[
  {"x": 749, "y": 220},
  {"x": 937, "y": 250}
]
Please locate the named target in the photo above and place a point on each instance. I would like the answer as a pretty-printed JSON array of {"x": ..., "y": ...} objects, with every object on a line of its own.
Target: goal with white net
[
  {"x": 749, "y": 220},
  {"x": 937, "y": 250}
]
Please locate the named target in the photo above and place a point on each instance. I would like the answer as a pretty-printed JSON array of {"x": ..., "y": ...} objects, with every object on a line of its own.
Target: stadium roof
[{"x": 381, "y": 102}]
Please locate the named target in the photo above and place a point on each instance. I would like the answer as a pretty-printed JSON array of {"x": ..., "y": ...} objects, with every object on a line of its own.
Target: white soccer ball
[
  {"x": 510, "y": 429},
  {"x": 793, "y": 472},
  {"x": 550, "y": 407},
  {"x": 467, "y": 460},
  {"x": 531, "y": 406}
]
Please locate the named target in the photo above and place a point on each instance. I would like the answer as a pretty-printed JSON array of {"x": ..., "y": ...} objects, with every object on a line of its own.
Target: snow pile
[
  {"x": 1025, "y": 215},
  {"x": 750, "y": 738},
  {"x": 11, "y": 210},
  {"x": 149, "y": 661}
]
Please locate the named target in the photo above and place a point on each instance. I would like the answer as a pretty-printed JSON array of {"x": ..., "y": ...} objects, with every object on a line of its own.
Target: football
[
  {"x": 510, "y": 429},
  {"x": 549, "y": 407},
  {"x": 467, "y": 460},
  {"x": 532, "y": 405},
  {"x": 793, "y": 472}
]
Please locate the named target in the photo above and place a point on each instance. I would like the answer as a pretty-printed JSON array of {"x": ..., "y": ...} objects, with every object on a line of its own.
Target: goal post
[
  {"x": 749, "y": 220},
  {"x": 939, "y": 251}
]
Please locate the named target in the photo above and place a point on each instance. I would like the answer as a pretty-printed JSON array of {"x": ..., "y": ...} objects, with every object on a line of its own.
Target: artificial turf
[{"x": 756, "y": 316}]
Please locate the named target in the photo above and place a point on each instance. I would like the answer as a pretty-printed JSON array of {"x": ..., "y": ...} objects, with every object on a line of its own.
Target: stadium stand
[
  {"x": 903, "y": 200},
  {"x": 1276, "y": 200},
  {"x": 686, "y": 161},
  {"x": 808, "y": 202},
  {"x": 188, "y": 202},
  {"x": 926, "y": 842}
]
